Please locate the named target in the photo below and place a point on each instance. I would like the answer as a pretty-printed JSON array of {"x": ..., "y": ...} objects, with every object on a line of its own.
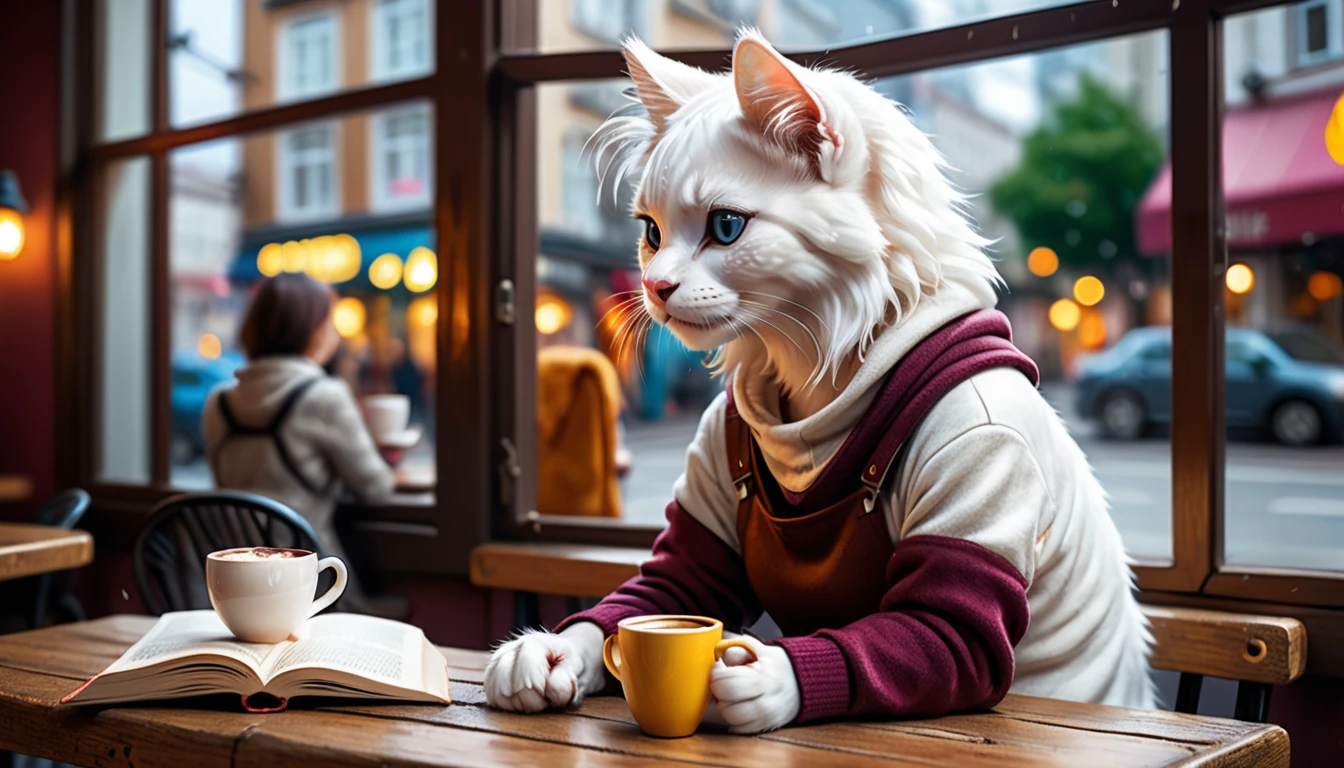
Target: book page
[
  {"x": 363, "y": 646},
  {"x": 183, "y": 634}
]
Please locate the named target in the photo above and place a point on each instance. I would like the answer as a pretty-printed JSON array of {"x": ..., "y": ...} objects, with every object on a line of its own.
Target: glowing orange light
[
  {"x": 423, "y": 311},
  {"x": 1088, "y": 290},
  {"x": 11, "y": 233},
  {"x": 294, "y": 256},
  {"x": 1334, "y": 132},
  {"x": 1043, "y": 262},
  {"x": 1324, "y": 286},
  {"x": 349, "y": 315},
  {"x": 1065, "y": 315},
  {"x": 1091, "y": 330},
  {"x": 332, "y": 258},
  {"x": 385, "y": 271},
  {"x": 553, "y": 314},
  {"x": 422, "y": 270},
  {"x": 209, "y": 347},
  {"x": 271, "y": 260},
  {"x": 1240, "y": 279}
]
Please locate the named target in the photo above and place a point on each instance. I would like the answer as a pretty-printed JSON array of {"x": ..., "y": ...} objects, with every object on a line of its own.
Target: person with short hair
[{"x": 285, "y": 429}]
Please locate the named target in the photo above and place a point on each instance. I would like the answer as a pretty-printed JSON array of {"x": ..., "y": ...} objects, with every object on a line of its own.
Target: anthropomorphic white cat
[{"x": 881, "y": 475}]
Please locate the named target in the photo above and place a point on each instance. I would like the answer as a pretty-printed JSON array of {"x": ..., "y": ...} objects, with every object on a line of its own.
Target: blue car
[
  {"x": 193, "y": 378},
  {"x": 1289, "y": 381}
]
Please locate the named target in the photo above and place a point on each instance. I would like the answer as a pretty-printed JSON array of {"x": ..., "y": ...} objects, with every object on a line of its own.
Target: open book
[{"x": 191, "y": 653}]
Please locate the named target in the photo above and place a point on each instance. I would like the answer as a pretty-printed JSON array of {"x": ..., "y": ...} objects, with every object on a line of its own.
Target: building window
[
  {"x": 400, "y": 40},
  {"x": 610, "y": 20},
  {"x": 1320, "y": 31},
  {"x": 401, "y": 160},
  {"x": 307, "y": 58},
  {"x": 307, "y": 173}
]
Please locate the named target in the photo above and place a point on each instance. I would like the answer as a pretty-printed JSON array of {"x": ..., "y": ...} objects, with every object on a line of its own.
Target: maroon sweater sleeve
[
  {"x": 692, "y": 571},
  {"x": 942, "y": 641}
]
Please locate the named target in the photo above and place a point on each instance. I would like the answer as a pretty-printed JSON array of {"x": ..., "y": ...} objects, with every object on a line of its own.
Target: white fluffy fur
[{"x": 854, "y": 221}]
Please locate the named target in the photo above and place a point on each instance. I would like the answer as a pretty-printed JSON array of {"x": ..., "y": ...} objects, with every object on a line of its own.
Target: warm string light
[
  {"x": 1088, "y": 291},
  {"x": 553, "y": 314},
  {"x": 422, "y": 270},
  {"x": 1240, "y": 279},
  {"x": 1042, "y": 262},
  {"x": 1065, "y": 315},
  {"x": 209, "y": 346},
  {"x": 11, "y": 233},
  {"x": 349, "y": 316}
]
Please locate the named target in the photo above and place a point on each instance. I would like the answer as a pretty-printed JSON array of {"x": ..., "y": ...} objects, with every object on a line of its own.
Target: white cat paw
[
  {"x": 539, "y": 670},
  {"x": 758, "y": 695}
]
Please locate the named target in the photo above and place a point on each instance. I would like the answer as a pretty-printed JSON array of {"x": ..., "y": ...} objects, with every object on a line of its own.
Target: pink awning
[{"x": 1278, "y": 178}]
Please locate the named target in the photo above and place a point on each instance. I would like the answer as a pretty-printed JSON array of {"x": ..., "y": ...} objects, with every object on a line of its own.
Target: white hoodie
[{"x": 991, "y": 463}]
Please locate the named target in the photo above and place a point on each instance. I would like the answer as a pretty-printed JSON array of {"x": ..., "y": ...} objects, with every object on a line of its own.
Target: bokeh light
[
  {"x": 1065, "y": 315},
  {"x": 293, "y": 256},
  {"x": 423, "y": 311},
  {"x": 11, "y": 233},
  {"x": 1240, "y": 279},
  {"x": 209, "y": 346},
  {"x": 385, "y": 271},
  {"x": 349, "y": 315},
  {"x": 1091, "y": 329},
  {"x": 1088, "y": 290},
  {"x": 422, "y": 270},
  {"x": 553, "y": 314},
  {"x": 1334, "y": 132},
  {"x": 1043, "y": 262},
  {"x": 271, "y": 260},
  {"x": 1324, "y": 286}
]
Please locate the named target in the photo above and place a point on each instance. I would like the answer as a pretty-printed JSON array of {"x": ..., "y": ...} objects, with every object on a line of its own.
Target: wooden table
[
  {"x": 37, "y": 668},
  {"x": 30, "y": 549}
]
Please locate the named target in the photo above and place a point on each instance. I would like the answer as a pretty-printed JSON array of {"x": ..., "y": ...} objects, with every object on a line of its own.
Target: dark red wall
[{"x": 29, "y": 130}]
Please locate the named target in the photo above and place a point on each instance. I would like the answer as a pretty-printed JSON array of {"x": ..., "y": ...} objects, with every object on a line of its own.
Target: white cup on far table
[{"x": 387, "y": 416}]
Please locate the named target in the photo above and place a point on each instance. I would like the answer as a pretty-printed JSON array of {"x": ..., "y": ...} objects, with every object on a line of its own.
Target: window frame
[
  {"x": 287, "y": 161},
  {"x": 1334, "y": 32},
  {"x": 485, "y": 219},
  {"x": 285, "y": 67},
  {"x": 379, "y": 199},
  {"x": 379, "y": 45},
  {"x": 1199, "y": 393}
]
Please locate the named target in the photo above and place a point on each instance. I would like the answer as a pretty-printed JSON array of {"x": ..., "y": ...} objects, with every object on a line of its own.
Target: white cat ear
[
  {"x": 661, "y": 84},
  {"x": 776, "y": 103}
]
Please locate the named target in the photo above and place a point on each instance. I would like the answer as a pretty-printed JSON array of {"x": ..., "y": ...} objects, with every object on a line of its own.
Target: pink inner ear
[{"x": 778, "y": 104}]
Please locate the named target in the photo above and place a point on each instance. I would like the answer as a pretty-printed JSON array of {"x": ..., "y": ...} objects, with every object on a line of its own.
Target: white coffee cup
[
  {"x": 263, "y": 594},
  {"x": 387, "y": 415}
]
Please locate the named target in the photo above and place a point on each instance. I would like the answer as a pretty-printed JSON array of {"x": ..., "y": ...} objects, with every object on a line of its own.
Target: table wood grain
[
  {"x": 37, "y": 668},
  {"x": 30, "y": 549}
]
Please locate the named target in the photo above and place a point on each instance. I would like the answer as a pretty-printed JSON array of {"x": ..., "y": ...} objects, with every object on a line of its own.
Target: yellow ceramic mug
[{"x": 663, "y": 664}]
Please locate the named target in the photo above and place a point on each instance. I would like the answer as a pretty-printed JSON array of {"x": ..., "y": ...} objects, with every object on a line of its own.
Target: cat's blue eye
[
  {"x": 652, "y": 234},
  {"x": 726, "y": 226}
]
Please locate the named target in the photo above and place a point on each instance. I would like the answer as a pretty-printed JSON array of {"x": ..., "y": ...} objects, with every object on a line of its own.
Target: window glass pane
[
  {"x": 302, "y": 200},
  {"x": 228, "y": 56},
  {"x": 123, "y": 394},
  {"x": 1059, "y": 150},
  {"x": 1284, "y": 501},
  {"x": 124, "y": 74},
  {"x": 789, "y": 24}
]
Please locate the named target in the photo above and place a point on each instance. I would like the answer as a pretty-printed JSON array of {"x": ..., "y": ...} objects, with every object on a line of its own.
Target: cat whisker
[{"x": 803, "y": 307}]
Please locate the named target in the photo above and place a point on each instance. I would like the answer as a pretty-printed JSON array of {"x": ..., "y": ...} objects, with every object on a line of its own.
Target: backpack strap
[{"x": 272, "y": 430}]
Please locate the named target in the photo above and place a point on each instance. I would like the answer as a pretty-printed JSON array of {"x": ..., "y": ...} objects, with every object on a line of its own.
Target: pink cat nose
[{"x": 663, "y": 289}]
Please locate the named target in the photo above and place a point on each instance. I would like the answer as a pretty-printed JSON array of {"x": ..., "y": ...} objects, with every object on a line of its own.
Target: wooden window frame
[
  {"x": 434, "y": 537},
  {"x": 1198, "y": 397}
]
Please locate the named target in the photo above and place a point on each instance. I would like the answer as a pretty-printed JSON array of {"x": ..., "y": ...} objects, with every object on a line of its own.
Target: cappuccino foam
[{"x": 259, "y": 554}]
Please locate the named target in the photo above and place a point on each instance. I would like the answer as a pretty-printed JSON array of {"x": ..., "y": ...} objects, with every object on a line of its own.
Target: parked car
[
  {"x": 193, "y": 377},
  {"x": 1287, "y": 380}
]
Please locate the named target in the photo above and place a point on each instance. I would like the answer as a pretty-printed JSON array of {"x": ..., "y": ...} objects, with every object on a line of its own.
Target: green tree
[{"x": 1081, "y": 176}]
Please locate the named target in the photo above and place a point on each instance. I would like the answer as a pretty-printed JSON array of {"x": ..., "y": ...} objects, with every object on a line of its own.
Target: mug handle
[
  {"x": 611, "y": 656},
  {"x": 734, "y": 642},
  {"x": 333, "y": 594}
]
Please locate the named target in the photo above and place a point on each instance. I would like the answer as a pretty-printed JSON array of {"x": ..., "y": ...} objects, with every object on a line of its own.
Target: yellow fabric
[{"x": 578, "y": 401}]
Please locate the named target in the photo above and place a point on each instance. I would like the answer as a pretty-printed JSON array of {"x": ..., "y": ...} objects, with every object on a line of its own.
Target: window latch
[
  {"x": 509, "y": 472},
  {"x": 505, "y": 308}
]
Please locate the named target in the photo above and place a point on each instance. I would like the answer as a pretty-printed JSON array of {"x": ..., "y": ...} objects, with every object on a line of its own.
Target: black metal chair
[
  {"x": 55, "y": 590},
  {"x": 170, "y": 550}
]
